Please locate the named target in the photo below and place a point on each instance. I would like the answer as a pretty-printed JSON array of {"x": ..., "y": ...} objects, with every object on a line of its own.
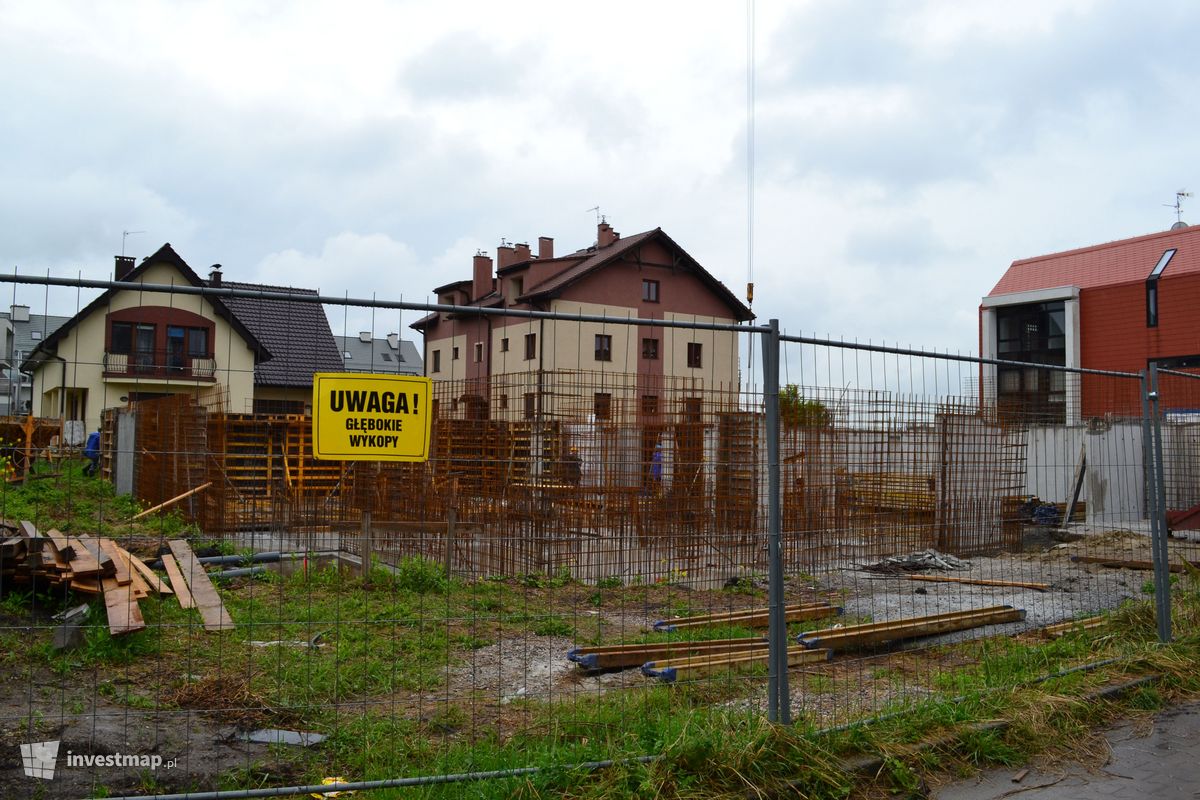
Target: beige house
[{"x": 243, "y": 355}]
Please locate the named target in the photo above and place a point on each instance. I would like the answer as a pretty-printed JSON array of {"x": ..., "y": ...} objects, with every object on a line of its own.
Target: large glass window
[{"x": 1034, "y": 333}]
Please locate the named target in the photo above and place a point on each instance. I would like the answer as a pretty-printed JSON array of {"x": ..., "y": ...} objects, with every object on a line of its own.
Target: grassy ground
[{"x": 381, "y": 681}]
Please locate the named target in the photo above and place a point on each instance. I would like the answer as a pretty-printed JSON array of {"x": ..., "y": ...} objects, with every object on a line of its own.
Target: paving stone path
[{"x": 1164, "y": 765}]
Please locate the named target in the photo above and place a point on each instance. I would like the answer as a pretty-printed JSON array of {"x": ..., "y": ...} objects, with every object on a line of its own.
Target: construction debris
[
  {"x": 917, "y": 562},
  {"x": 101, "y": 567}
]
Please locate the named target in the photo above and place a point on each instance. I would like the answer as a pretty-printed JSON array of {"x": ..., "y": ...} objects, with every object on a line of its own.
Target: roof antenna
[
  {"x": 125, "y": 235},
  {"x": 1178, "y": 206},
  {"x": 599, "y": 218}
]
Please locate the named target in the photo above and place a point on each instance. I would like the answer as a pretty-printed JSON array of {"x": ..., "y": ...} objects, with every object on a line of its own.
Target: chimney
[
  {"x": 19, "y": 314},
  {"x": 214, "y": 275},
  {"x": 481, "y": 277},
  {"x": 545, "y": 247},
  {"x": 393, "y": 340},
  {"x": 125, "y": 265},
  {"x": 506, "y": 255},
  {"x": 605, "y": 235},
  {"x": 364, "y": 337},
  {"x": 523, "y": 253}
]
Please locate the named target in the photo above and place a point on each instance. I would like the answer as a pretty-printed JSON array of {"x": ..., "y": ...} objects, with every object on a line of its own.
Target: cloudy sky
[{"x": 905, "y": 152}]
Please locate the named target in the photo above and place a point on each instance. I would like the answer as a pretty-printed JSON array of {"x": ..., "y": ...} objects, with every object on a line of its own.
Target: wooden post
[{"x": 364, "y": 545}]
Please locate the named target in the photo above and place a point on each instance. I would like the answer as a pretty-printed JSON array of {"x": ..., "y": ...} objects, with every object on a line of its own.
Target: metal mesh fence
[{"x": 582, "y": 567}]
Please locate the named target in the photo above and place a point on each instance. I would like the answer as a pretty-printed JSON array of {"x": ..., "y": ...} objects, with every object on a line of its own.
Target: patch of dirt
[{"x": 72, "y": 712}]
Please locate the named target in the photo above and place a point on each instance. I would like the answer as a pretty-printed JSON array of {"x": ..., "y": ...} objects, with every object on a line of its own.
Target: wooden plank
[
  {"x": 124, "y": 615},
  {"x": 85, "y": 561},
  {"x": 755, "y": 618},
  {"x": 107, "y": 565},
  {"x": 153, "y": 581},
  {"x": 699, "y": 666},
  {"x": 212, "y": 610},
  {"x": 177, "y": 582},
  {"x": 172, "y": 501},
  {"x": 1121, "y": 563},
  {"x": 1070, "y": 626},
  {"x": 634, "y": 655},
  {"x": 61, "y": 544},
  {"x": 1080, "y": 472},
  {"x": 880, "y": 632},
  {"x": 138, "y": 585},
  {"x": 1041, "y": 587},
  {"x": 109, "y": 548}
]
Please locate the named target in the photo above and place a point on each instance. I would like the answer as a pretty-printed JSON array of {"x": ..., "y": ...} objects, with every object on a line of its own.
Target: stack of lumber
[
  {"x": 852, "y": 636},
  {"x": 748, "y": 618},
  {"x": 672, "y": 661},
  {"x": 101, "y": 567}
]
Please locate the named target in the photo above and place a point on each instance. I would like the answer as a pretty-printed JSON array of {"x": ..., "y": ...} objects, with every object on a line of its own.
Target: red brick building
[{"x": 1114, "y": 306}]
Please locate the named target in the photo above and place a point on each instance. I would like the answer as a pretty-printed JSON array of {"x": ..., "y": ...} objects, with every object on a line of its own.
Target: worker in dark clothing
[{"x": 92, "y": 451}]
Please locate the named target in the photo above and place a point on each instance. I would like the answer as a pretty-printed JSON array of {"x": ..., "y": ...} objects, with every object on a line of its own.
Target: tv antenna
[
  {"x": 599, "y": 216},
  {"x": 1178, "y": 205},
  {"x": 125, "y": 235}
]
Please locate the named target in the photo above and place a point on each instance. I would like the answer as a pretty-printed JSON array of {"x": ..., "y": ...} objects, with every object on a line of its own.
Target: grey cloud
[{"x": 971, "y": 102}]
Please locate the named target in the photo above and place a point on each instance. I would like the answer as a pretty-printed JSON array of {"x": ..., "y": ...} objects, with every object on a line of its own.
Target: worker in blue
[{"x": 92, "y": 451}]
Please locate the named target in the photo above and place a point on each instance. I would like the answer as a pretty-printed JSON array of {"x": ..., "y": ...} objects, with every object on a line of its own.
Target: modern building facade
[{"x": 1115, "y": 306}]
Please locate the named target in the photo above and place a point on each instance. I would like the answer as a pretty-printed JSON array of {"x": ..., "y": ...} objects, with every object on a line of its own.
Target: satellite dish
[{"x": 1178, "y": 225}]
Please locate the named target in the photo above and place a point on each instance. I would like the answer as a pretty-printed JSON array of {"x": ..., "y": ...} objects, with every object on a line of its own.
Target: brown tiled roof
[
  {"x": 296, "y": 334},
  {"x": 1124, "y": 261}
]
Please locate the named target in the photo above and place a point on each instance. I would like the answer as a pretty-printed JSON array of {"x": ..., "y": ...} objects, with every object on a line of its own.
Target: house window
[
  {"x": 530, "y": 405},
  {"x": 503, "y": 402},
  {"x": 649, "y": 405},
  {"x": 478, "y": 352},
  {"x": 454, "y": 354},
  {"x": 516, "y": 287},
  {"x": 386, "y": 356},
  {"x": 35, "y": 335},
  {"x": 649, "y": 291},
  {"x": 695, "y": 355},
  {"x": 603, "y": 347},
  {"x": 650, "y": 349},
  {"x": 602, "y": 405},
  {"x": 504, "y": 345},
  {"x": 437, "y": 361},
  {"x": 346, "y": 355},
  {"x": 184, "y": 344},
  {"x": 135, "y": 339},
  {"x": 530, "y": 346}
]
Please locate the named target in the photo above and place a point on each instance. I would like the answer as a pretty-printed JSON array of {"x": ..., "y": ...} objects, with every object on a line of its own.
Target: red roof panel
[{"x": 1124, "y": 261}]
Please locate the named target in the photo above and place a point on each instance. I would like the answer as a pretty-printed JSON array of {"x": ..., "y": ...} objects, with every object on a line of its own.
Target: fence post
[
  {"x": 779, "y": 707},
  {"x": 1158, "y": 519}
]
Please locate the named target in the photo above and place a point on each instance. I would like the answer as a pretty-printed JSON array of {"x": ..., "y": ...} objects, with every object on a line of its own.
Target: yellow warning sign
[{"x": 359, "y": 417}]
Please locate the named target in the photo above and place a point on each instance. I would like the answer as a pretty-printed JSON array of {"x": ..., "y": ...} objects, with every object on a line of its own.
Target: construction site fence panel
[{"x": 623, "y": 524}]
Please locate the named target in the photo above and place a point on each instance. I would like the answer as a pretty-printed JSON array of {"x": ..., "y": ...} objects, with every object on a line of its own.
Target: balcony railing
[{"x": 160, "y": 364}]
